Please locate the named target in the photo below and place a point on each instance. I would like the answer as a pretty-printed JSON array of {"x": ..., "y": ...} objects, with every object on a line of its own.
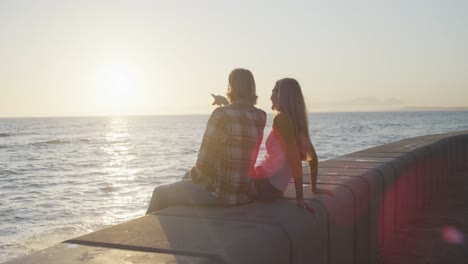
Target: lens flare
[{"x": 452, "y": 235}]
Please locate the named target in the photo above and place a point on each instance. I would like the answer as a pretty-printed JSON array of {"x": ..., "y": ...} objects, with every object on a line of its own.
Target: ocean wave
[
  {"x": 60, "y": 141},
  {"x": 51, "y": 142},
  {"x": 5, "y": 135},
  {"x": 11, "y": 172},
  {"x": 189, "y": 151},
  {"x": 109, "y": 189}
]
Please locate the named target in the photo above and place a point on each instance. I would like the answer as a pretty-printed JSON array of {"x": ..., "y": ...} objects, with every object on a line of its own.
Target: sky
[{"x": 92, "y": 58}]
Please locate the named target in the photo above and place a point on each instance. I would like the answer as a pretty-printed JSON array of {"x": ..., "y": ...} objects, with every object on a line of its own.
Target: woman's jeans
[
  {"x": 266, "y": 191},
  {"x": 183, "y": 192}
]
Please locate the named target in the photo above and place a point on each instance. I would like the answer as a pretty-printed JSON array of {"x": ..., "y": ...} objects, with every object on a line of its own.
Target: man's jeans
[{"x": 183, "y": 192}]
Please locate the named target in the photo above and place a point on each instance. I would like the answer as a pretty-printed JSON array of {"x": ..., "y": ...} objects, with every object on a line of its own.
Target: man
[{"x": 224, "y": 171}]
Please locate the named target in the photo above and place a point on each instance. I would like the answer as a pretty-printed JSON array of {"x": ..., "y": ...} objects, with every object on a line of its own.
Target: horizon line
[{"x": 403, "y": 109}]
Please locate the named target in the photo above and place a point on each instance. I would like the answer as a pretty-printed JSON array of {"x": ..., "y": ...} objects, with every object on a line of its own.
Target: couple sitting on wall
[{"x": 225, "y": 173}]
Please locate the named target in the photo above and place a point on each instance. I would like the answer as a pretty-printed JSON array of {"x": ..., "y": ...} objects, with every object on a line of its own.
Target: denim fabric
[
  {"x": 266, "y": 191},
  {"x": 184, "y": 192}
]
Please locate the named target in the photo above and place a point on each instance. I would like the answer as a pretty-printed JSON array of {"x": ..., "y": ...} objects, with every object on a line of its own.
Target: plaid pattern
[{"x": 228, "y": 152}]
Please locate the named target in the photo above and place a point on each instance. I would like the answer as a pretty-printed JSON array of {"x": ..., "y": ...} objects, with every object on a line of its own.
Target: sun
[
  {"x": 117, "y": 86},
  {"x": 116, "y": 90}
]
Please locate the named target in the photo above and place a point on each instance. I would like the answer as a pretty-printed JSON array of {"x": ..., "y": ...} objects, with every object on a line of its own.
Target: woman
[{"x": 287, "y": 145}]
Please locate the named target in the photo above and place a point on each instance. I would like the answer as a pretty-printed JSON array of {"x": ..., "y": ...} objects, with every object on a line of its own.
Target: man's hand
[
  {"x": 219, "y": 100},
  {"x": 305, "y": 205}
]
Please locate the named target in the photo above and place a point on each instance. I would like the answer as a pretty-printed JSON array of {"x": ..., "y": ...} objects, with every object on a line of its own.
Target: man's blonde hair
[{"x": 242, "y": 86}]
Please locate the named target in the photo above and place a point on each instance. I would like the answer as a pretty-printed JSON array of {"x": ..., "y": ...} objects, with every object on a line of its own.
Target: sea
[{"x": 65, "y": 177}]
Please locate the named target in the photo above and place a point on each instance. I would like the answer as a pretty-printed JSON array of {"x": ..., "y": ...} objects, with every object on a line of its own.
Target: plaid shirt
[{"x": 228, "y": 152}]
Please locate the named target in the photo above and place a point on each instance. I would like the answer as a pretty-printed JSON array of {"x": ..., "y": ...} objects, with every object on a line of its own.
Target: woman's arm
[
  {"x": 313, "y": 169},
  {"x": 300, "y": 196}
]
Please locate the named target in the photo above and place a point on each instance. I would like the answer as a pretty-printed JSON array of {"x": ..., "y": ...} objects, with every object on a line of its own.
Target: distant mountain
[
  {"x": 433, "y": 108},
  {"x": 366, "y": 103},
  {"x": 371, "y": 103}
]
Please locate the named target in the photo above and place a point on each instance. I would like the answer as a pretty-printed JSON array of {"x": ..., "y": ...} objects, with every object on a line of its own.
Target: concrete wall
[{"x": 375, "y": 191}]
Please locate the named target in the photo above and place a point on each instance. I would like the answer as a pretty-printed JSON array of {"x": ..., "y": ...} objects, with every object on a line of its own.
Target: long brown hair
[{"x": 291, "y": 102}]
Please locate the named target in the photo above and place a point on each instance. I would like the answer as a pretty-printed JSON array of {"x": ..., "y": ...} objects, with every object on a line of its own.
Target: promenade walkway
[{"x": 439, "y": 232}]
